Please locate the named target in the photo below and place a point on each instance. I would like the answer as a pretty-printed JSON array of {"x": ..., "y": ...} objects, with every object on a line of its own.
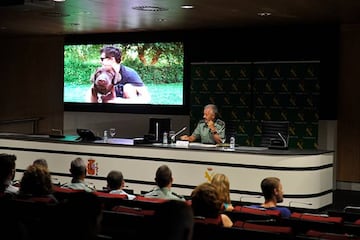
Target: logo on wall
[
  {"x": 209, "y": 174},
  {"x": 92, "y": 167}
]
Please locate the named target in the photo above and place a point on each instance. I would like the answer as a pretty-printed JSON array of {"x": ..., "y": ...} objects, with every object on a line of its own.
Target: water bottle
[
  {"x": 105, "y": 138},
  {"x": 165, "y": 138},
  {"x": 232, "y": 143}
]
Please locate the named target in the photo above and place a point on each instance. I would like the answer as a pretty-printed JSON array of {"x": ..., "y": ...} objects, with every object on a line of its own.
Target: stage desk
[{"x": 306, "y": 175}]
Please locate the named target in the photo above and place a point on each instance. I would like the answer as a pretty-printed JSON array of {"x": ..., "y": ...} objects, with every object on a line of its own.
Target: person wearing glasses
[{"x": 131, "y": 88}]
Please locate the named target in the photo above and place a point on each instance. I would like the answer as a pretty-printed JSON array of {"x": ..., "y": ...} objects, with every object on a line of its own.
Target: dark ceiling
[{"x": 110, "y": 16}]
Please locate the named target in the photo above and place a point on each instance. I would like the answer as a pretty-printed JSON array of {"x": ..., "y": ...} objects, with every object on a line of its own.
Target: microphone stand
[
  {"x": 283, "y": 139},
  {"x": 177, "y": 133}
]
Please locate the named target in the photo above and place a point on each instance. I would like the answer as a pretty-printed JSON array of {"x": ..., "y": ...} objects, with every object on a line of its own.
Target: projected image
[{"x": 136, "y": 73}]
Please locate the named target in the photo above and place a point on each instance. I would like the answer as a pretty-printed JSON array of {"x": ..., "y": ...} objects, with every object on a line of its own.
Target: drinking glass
[{"x": 112, "y": 132}]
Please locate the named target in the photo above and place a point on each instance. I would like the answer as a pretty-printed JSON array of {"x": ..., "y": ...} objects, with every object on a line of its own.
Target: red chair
[
  {"x": 126, "y": 223},
  {"x": 212, "y": 221},
  {"x": 265, "y": 228},
  {"x": 316, "y": 218},
  {"x": 352, "y": 227},
  {"x": 43, "y": 199},
  {"x": 133, "y": 210},
  {"x": 329, "y": 236},
  {"x": 63, "y": 193},
  {"x": 243, "y": 213},
  {"x": 303, "y": 222},
  {"x": 148, "y": 199},
  {"x": 110, "y": 200},
  {"x": 110, "y": 195},
  {"x": 258, "y": 211}
]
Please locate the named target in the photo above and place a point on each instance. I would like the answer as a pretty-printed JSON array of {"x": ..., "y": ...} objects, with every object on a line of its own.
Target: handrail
[{"x": 34, "y": 122}]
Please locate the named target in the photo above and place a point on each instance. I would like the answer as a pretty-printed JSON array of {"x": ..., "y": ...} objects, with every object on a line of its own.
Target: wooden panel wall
[
  {"x": 32, "y": 81},
  {"x": 348, "y": 156}
]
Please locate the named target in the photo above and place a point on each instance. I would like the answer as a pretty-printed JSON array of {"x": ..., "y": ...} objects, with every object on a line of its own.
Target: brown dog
[{"x": 104, "y": 79}]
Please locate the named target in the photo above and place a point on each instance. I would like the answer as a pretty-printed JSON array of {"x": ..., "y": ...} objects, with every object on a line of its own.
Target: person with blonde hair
[
  {"x": 205, "y": 203},
  {"x": 222, "y": 184}
]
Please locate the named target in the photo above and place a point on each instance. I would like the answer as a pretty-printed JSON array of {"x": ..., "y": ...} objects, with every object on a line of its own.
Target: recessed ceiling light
[
  {"x": 187, "y": 6},
  {"x": 264, "y": 14}
]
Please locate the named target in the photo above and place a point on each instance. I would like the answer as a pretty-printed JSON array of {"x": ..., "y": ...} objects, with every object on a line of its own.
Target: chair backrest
[
  {"x": 352, "y": 227},
  {"x": 302, "y": 222},
  {"x": 329, "y": 236},
  {"x": 110, "y": 200},
  {"x": 149, "y": 199},
  {"x": 124, "y": 225},
  {"x": 264, "y": 227},
  {"x": 243, "y": 213},
  {"x": 143, "y": 202},
  {"x": 230, "y": 130},
  {"x": 316, "y": 218},
  {"x": 204, "y": 220},
  {"x": 270, "y": 132},
  {"x": 110, "y": 195},
  {"x": 38, "y": 199},
  {"x": 64, "y": 193},
  {"x": 134, "y": 210},
  {"x": 347, "y": 216}
]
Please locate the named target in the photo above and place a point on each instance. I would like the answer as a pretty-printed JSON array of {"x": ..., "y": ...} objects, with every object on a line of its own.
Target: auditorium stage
[{"x": 307, "y": 175}]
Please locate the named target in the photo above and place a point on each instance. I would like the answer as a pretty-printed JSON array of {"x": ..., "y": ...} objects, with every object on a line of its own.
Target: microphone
[
  {"x": 241, "y": 198},
  {"x": 351, "y": 208},
  {"x": 304, "y": 203},
  {"x": 180, "y": 131},
  {"x": 283, "y": 139},
  {"x": 156, "y": 131}
]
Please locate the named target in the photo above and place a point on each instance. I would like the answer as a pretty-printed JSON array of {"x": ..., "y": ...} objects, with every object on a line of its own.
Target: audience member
[
  {"x": 222, "y": 184},
  {"x": 7, "y": 174},
  {"x": 208, "y": 130},
  {"x": 115, "y": 184},
  {"x": 164, "y": 182},
  {"x": 272, "y": 190},
  {"x": 36, "y": 182},
  {"x": 41, "y": 162},
  {"x": 205, "y": 202},
  {"x": 78, "y": 172},
  {"x": 80, "y": 217},
  {"x": 174, "y": 220}
]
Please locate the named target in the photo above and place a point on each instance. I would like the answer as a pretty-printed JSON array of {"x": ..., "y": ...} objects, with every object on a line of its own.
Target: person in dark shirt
[
  {"x": 131, "y": 88},
  {"x": 7, "y": 174},
  {"x": 173, "y": 220}
]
